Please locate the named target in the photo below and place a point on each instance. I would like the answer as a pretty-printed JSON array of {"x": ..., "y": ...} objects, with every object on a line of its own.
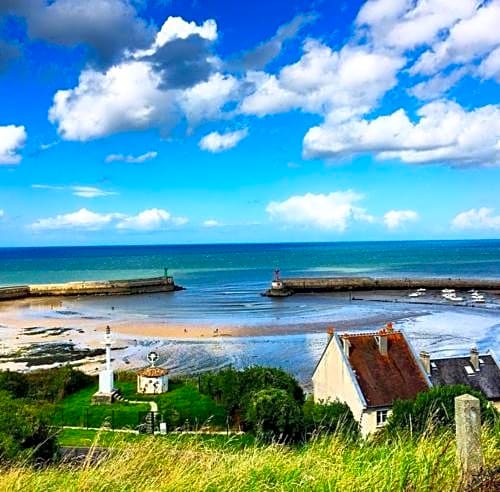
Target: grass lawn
[
  {"x": 182, "y": 403},
  {"x": 77, "y": 410}
]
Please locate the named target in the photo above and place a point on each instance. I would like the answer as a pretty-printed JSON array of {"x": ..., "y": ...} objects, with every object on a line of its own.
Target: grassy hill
[{"x": 193, "y": 463}]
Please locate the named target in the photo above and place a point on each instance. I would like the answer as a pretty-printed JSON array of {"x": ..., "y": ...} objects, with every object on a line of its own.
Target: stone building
[{"x": 369, "y": 371}]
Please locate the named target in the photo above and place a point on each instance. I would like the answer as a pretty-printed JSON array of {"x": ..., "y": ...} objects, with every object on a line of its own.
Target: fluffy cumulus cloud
[
  {"x": 444, "y": 133},
  {"x": 333, "y": 211},
  {"x": 473, "y": 36},
  {"x": 337, "y": 84},
  {"x": 12, "y": 139},
  {"x": 219, "y": 142},
  {"x": 175, "y": 77},
  {"x": 394, "y": 219},
  {"x": 133, "y": 159},
  {"x": 477, "y": 219},
  {"x": 87, "y": 220},
  {"x": 107, "y": 27}
]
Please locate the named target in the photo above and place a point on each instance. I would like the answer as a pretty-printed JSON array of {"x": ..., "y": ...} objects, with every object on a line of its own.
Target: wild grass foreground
[{"x": 328, "y": 463}]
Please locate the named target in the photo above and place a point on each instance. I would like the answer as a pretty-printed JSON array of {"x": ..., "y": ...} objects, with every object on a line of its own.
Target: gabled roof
[
  {"x": 452, "y": 370},
  {"x": 385, "y": 378}
]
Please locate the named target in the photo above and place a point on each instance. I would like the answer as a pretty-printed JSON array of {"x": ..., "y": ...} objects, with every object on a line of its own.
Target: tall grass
[{"x": 194, "y": 464}]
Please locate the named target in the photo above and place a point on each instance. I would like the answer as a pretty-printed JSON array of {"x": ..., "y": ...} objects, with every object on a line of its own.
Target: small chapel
[{"x": 152, "y": 380}]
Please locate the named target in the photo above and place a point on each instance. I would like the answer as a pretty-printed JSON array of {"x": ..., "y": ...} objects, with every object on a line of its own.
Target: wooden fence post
[{"x": 468, "y": 434}]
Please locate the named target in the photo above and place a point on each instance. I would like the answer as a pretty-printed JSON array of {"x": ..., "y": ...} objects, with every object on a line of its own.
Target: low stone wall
[
  {"x": 333, "y": 284},
  {"x": 18, "y": 292},
  {"x": 91, "y": 288}
]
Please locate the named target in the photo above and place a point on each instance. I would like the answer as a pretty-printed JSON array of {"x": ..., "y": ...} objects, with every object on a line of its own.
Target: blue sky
[{"x": 162, "y": 121}]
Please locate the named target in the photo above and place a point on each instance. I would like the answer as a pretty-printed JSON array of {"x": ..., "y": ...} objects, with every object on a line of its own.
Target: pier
[
  {"x": 289, "y": 286},
  {"x": 91, "y": 288}
]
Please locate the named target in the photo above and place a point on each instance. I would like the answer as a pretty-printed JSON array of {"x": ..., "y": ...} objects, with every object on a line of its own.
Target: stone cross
[{"x": 468, "y": 433}]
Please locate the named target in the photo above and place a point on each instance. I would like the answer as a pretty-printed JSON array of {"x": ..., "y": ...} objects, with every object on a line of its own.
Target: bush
[
  {"x": 14, "y": 383},
  {"x": 234, "y": 389},
  {"x": 329, "y": 418},
  {"x": 434, "y": 409},
  {"x": 25, "y": 432},
  {"x": 54, "y": 385},
  {"x": 273, "y": 415}
]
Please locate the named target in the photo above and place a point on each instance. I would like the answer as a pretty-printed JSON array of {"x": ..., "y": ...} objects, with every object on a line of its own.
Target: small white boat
[
  {"x": 448, "y": 291},
  {"x": 478, "y": 299},
  {"x": 422, "y": 290},
  {"x": 414, "y": 294}
]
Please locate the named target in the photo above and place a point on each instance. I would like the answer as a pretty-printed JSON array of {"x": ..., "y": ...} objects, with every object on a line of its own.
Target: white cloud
[
  {"x": 480, "y": 219},
  {"x": 82, "y": 219},
  {"x": 211, "y": 223},
  {"x": 12, "y": 138},
  {"x": 178, "y": 28},
  {"x": 2, "y": 213},
  {"x": 337, "y": 84},
  {"x": 150, "y": 220},
  {"x": 333, "y": 211},
  {"x": 219, "y": 142},
  {"x": 396, "y": 218},
  {"x": 125, "y": 97},
  {"x": 131, "y": 158},
  {"x": 404, "y": 24},
  {"x": 438, "y": 85},
  {"x": 445, "y": 133},
  {"x": 80, "y": 191},
  {"x": 468, "y": 39},
  {"x": 490, "y": 66}
]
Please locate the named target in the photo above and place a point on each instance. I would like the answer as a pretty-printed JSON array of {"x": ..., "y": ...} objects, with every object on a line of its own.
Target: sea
[{"x": 224, "y": 283}]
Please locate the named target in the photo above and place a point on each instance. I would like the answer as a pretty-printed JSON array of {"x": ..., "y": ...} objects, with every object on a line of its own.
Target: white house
[
  {"x": 152, "y": 380},
  {"x": 369, "y": 371}
]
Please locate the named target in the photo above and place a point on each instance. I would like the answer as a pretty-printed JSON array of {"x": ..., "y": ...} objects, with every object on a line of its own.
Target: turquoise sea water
[{"x": 224, "y": 282}]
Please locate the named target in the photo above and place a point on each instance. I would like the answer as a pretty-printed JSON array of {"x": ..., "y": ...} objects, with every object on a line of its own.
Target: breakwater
[
  {"x": 91, "y": 288},
  {"x": 289, "y": 286}
]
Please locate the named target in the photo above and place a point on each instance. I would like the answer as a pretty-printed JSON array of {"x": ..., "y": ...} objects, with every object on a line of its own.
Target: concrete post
[{"x": 468, "y": 434}]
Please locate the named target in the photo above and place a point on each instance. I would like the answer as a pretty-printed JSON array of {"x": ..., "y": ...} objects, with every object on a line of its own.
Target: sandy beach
[{"x": 41, "y": 333}]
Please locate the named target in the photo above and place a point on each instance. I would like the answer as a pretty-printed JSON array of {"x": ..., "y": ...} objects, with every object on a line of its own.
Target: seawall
[
  {"x": 91, "y": 288},
  {"x": 339, "y": 284}
]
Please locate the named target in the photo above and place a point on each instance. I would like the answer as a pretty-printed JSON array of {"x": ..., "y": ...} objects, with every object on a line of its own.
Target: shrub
[
  {"x": 329, "y": 418},
  {"x": 273, "y": 415},
  {"x": 25, "y": 432},
  {"x": 434, "y": 409},
  {"x": 14, "y": 383}
]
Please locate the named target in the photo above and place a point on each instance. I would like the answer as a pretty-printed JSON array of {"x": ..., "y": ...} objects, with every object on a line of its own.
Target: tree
[
  {"x": 25, "y": 432},
  {"x": 329, "y": 418},
  {"x": 273, "y": 415},
  {"x": 434, "y": 409}
]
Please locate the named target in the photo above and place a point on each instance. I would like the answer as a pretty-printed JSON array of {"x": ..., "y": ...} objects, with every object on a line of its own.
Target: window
[{"x": 381, "y": 417}]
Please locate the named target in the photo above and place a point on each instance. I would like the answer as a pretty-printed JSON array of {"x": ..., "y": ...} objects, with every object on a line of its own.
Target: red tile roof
[
  {"x": 152, "y": 372},
  {"x": 384, "y": 379}
]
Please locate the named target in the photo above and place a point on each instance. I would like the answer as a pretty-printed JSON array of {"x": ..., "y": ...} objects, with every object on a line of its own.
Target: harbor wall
[
  {"x": 339, "y": 284},
  {"x": 91, "y": 288}
]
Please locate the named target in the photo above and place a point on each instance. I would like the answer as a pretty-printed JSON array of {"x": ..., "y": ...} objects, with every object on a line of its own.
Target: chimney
[
  {"x": 381, "y": 340},
  {"x": 425, "y": 358},
  {"x": 330, "y": 331},
  {"x": 347, "y": 346},
  {"x": 474, "y": 358},
  {"x": 389, "y": 327}
]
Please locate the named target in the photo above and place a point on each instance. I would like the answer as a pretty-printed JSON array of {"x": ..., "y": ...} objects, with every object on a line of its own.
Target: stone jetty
[
  {"x": 91, "y": 288},
  {"x": 289, "y": 286}
]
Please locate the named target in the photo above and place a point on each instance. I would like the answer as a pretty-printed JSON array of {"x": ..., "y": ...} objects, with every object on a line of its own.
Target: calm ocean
[{"x": 224, "y": 281}]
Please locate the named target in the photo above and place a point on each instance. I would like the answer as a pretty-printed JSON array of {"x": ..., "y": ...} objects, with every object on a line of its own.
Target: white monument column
[{"x": 106, "y": 378}]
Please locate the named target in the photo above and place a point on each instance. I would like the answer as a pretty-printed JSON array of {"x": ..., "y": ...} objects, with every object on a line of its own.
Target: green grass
[
  {"x": 182, "y": 403},
  {"x": 76, "y": 410},
  {"x": 195, "y": 464}
]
